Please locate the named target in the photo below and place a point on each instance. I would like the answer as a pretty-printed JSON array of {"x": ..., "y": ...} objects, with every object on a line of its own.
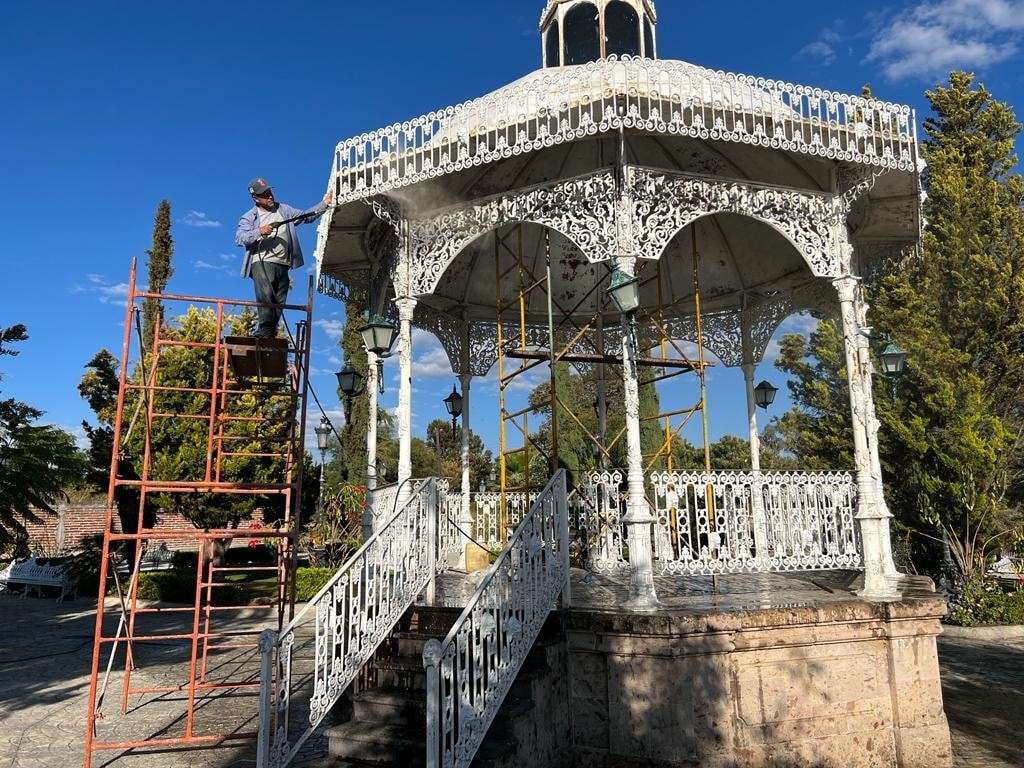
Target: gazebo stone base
[{"x": 837, "y": 681}]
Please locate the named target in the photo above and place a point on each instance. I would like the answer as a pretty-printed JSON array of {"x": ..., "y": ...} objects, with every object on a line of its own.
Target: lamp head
[
  {"x": 893, "y": 359},
  {"x": 764, "y": 394},
  {"x": 453, "y": 403},
  {"x": 379, "y": 335},
  {"x": 323, "y": 433},
  {"x": 350, "y": 381},
  {"x": 624, "y": 291}
]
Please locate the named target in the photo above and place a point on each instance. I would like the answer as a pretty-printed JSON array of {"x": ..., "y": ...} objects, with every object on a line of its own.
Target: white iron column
[
  {"x": 872, "y": 517},
  {"x": 372, "y": 376},
  {"x": 756, "y": 495},
  {"x": 638, "y": 519},
  {"x": 406, "y": 307},
  {"x": 465, "y": 517}
]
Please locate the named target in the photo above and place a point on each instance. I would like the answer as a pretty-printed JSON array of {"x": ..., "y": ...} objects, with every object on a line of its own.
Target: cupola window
[
  {"x": 552, "y": 46},
  {"x": 577, "y": 32},
  {"x": 648, "y": 38},
  {"x": 582, "y": 34},
  {"x": 621, "y": 30}
]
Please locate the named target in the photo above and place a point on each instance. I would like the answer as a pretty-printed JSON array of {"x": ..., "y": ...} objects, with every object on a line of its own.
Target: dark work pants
[{"x": 271, "y": 282}]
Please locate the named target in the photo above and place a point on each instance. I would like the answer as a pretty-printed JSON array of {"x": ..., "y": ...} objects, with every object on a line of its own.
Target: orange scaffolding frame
[{"x": 209, "y": 648}]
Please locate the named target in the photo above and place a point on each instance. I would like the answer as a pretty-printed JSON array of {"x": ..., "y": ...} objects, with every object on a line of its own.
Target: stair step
[
  {"x": 391, "y": 707},
  {"x": 369, "y": 743},
  {"x": 495, "y": 748},
  {"x": 404, "y": 673}
]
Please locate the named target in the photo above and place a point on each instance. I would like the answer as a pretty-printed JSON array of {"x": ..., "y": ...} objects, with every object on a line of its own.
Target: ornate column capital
[
  {"x": 846, "y": 287},
  {"x": 406, "y": 308}
]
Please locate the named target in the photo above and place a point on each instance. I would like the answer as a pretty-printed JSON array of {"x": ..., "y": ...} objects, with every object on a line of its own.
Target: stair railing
[
  {"x": 353, "y": 613},
  {"x": 470, "y": 673}
]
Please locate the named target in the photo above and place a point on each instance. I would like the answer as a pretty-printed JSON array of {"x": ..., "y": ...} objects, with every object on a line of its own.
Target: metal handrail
[
  {"x": 352, "y": 614},
  {"x": 470, "y": 673}
]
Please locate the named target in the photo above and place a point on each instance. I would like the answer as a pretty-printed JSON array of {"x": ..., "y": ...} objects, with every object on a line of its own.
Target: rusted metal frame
[
  {"x": 146, "y": 486},
  {"x": 90, "y": 728},
  {"x": 207, "y": 300},
  {"x": 212, "y": 426},
  {"x": 174, "y": 741},
  {"x": 129, "y": 664},
  {"x": 167, "y": 486},
  {"x": 221, "y": 368},
  {"x": 256, "y": 455},
  {"x": 169, "y": 636}
]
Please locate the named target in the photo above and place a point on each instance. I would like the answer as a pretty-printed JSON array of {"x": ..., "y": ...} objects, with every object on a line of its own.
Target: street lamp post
[
  {"x": 323, "y": 433},
  {"x": 379, "y": 337},
  {"x": 624, "y": 290},
  {"x": 352, "y": 384},
  {"x": 453, "y": 404}
]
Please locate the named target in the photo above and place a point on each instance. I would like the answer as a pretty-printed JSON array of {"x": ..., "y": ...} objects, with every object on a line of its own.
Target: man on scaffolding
[{"x": 267, "y": 232}]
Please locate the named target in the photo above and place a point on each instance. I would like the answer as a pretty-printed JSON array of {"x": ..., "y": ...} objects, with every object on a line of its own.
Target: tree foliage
[
  {"x": 954, "y": 437},
  {"x": 952, "y": 423},
  {"x": 158, "y": 270},
  {"x": 38, "y": 463}
]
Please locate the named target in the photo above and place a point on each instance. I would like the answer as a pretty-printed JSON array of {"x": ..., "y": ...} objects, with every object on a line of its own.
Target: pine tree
[
  {"x": 952, "y": 424},
  {"x": 953, "y": 440}
]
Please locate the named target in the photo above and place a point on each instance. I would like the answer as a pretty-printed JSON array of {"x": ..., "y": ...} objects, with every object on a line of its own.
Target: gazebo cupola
[{"x": 581, "y": 31}]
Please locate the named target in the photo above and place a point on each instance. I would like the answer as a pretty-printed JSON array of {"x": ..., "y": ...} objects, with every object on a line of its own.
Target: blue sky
[{"x": 110, "y": 107}]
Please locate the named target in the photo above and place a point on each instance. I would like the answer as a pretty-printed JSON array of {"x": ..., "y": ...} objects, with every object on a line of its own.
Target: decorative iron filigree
[
  {"x": 357, "y": 609},
  {"x": 557, "y": 106},
  {"x": 665, "y": 203},
  {"x": 581, "y": 209},
  {"x": 808, "y": 521}
]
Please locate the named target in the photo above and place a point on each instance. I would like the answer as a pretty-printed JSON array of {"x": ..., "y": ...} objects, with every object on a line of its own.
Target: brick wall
[{"x": 89, "y": 519}]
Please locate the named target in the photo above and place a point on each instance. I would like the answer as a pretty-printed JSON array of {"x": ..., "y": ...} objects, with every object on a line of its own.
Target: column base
[{"x": 644, "y": 600}]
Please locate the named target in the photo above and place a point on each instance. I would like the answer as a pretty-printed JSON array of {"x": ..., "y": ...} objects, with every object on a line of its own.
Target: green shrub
[
  {"x": 179, "y": 586},
  {"x": 170, "y": 586},
  {"x": 985, "y": 601},
  {"x": 309, "y": 581},
  {"x": 184, "y": 559}
]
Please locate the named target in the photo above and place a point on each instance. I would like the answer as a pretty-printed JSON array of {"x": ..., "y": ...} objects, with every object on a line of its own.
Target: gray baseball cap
[{"x": 258, "y": 186}]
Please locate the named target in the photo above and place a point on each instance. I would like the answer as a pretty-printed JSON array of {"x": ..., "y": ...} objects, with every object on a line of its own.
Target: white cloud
[
  {"x": 820, "y": 51},
  {"x": 332, "y": 328},
  {"x": 432, "y": 363},
  {"x": 107, "y": 293},
  {"x": 203, "y": 264},
  {"x": 929, "y": 39},
  {"x": 198, "y": 219}
]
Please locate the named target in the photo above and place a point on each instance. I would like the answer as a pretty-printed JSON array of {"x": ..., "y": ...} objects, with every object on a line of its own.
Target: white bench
[{"x": 33, "y": 576}]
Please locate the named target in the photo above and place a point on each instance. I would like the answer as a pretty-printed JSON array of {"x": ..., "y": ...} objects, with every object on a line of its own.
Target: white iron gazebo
[
  {"x": 772, "y": 198},
  {"x": 620, "y": 216}
]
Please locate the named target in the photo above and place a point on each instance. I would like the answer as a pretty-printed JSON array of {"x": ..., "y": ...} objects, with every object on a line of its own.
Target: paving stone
[{"x": 46, "y": 651}]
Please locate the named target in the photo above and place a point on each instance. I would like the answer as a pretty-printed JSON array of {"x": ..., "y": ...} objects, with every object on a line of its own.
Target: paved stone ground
[
  {"x": 983, "y": 692},
  {"x": 46, "y": 651}
]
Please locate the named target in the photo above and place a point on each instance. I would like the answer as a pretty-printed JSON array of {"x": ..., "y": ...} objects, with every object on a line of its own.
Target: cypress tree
[{"x": 158, "y": 270}]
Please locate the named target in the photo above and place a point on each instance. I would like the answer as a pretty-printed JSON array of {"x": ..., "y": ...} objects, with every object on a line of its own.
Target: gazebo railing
[
  {"x": 310, "y": 663},
  {"x": 469, "y": 674},
  {"x": 557, "y": 106},
  {"x": 726, "y": 522},
  {"x": 487, "y": 517}
]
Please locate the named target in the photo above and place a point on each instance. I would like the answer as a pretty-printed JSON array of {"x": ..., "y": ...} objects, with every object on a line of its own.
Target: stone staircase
[{"x": 387, "y": 721}]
